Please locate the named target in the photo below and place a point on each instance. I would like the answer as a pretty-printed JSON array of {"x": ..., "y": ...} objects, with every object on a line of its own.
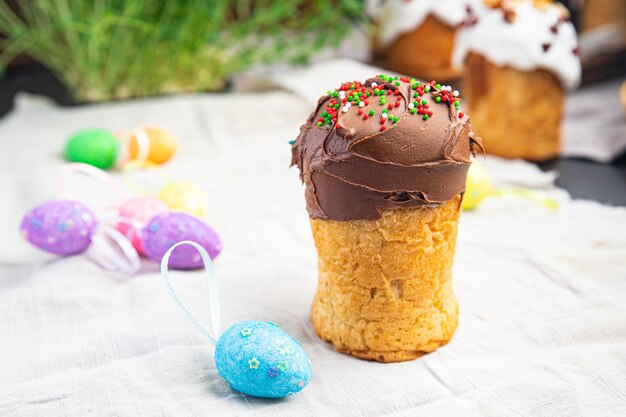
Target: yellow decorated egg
[
  {"x": 152, "y": 143},
  {"x": 186, "y": 196},
  {"x": 477, "y": 186}
]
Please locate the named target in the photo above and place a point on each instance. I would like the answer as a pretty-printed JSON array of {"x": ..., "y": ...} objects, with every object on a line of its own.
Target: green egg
[{"x": 97, "y": 147}]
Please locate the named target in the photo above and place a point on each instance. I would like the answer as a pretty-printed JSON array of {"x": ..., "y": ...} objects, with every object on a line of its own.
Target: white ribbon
[
  {"x": 103, "y": 252},
  {"x": 90, "y": 171},
  {"x": 214, "y": 301}
]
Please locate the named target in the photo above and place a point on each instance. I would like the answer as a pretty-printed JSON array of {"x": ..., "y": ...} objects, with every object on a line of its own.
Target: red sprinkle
[
  {"x": 397, "y": 104},
  {"x": 383, "y": 128},
  {"x": 365, "y": 116},
  {"x": 390, "y": 106},
  {"x": 461, "y": 114},
  {"x": 360, "y": 112}
]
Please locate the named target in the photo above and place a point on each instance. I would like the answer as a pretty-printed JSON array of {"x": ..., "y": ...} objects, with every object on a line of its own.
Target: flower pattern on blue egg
[{"x": 260, "y": 359}]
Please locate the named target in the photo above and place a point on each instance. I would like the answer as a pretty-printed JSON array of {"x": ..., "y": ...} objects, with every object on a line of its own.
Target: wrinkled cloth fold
[{"x": 542, "y": 326}]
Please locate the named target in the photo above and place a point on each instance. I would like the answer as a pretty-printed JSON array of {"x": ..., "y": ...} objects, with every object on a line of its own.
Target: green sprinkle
[
  {"x": 397, "y": 83},
  {"x": 350, "y": 98},
  {"x": 352, "y": 87},
  {"x": 425, "y": 117},
  {"x": 385, "y": 111},
  {"x": 438, "y": 99},
  {"x": 424, "y": 102},
  {"x": 324, "y": 114},
  {"x": 456, "y": 103},
  {"x": 415, "y": 95},
  {"x": 337, "y": 106},
  {"x": 438, "y": 86},
  {"x": 329, "y": 92},
  {"x": 371, "y": 112},
  {"x": 367, "y": 94},
  {"x": 427, "y": 88},
  {"x": 413, "y": 110},
  {"x": 335, "y": 94},
  {"x": 320, "y": 124},
  {"x": 360, "y": 94}
]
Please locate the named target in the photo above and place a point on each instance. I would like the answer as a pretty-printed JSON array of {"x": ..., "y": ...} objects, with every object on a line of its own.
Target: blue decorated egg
[
  {"x": 62, "y": 227},
  {"x": 259, "y": 359},
  {"x": 166, "y": 229}
]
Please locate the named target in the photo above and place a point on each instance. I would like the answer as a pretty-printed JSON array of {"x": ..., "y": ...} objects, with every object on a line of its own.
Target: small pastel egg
[
  {"x": 186, "y": 196},
  {"x": 259, "y": 359},
  {"x": 164, "y": 230},
  {"x": 97, "y": 147},
  {"x": 477, "y": 186},
  {"x": 161, "y": 144},
  {"x": 140, "y": 210},
  {"x": 62, "y": 227}
]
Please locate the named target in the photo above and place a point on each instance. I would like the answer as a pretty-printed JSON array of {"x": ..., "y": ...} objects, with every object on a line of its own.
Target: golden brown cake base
[
  {"x": 385, "y": 286},
  {"x": 424, "y": 53},
  {"x": 516, "y": 113},
  {"x": 598, "y": 13}
]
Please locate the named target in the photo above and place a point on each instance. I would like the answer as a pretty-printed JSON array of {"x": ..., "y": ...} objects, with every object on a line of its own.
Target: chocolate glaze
[{"x": 354, "y": 171}]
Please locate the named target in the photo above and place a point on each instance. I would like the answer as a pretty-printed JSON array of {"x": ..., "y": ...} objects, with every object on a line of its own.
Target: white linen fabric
[{"x": 542, "y": 327}]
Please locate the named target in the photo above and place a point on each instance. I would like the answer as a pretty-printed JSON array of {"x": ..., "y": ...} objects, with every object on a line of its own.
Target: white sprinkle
[
  {"x": 342, "y": 94},
  {"x": 384, "y": 115},
  {"x": 411, "y": 105},
  {"x": 361, "y": 104},
  {"x": 345, "y": 109},
  {"x": 374, "y": 84},
  {"x": 455, "y": 93},
  {"x": 448, "y": 88}
]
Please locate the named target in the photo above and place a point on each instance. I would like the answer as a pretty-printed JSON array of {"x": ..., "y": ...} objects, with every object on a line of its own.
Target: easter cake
[
  {"x": 519, "y": 58},
  {"x": 384, "y": 163},
  {"x": 416, "y": 37}
]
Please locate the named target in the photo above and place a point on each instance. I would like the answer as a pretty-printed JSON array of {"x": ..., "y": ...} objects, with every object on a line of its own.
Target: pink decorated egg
[
  {"x": 138, "y": 211},
  {"x": 164, "y": 230},
  {"x": 62, "y": 227}
]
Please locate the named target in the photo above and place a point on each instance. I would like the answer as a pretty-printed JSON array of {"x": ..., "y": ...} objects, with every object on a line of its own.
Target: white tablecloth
[{"x": 542, "y": 326}]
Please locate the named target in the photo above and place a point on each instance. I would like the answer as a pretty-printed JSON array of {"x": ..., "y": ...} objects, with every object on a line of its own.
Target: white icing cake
[
  {"x": 396, "y": 17},
  {"x": 528, "y": 38}
]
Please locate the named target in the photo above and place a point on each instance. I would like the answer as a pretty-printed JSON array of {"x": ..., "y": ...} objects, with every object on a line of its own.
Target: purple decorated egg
[
  {"x": 164, "y": 230},
  {"x": 62, "y": 227}
]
